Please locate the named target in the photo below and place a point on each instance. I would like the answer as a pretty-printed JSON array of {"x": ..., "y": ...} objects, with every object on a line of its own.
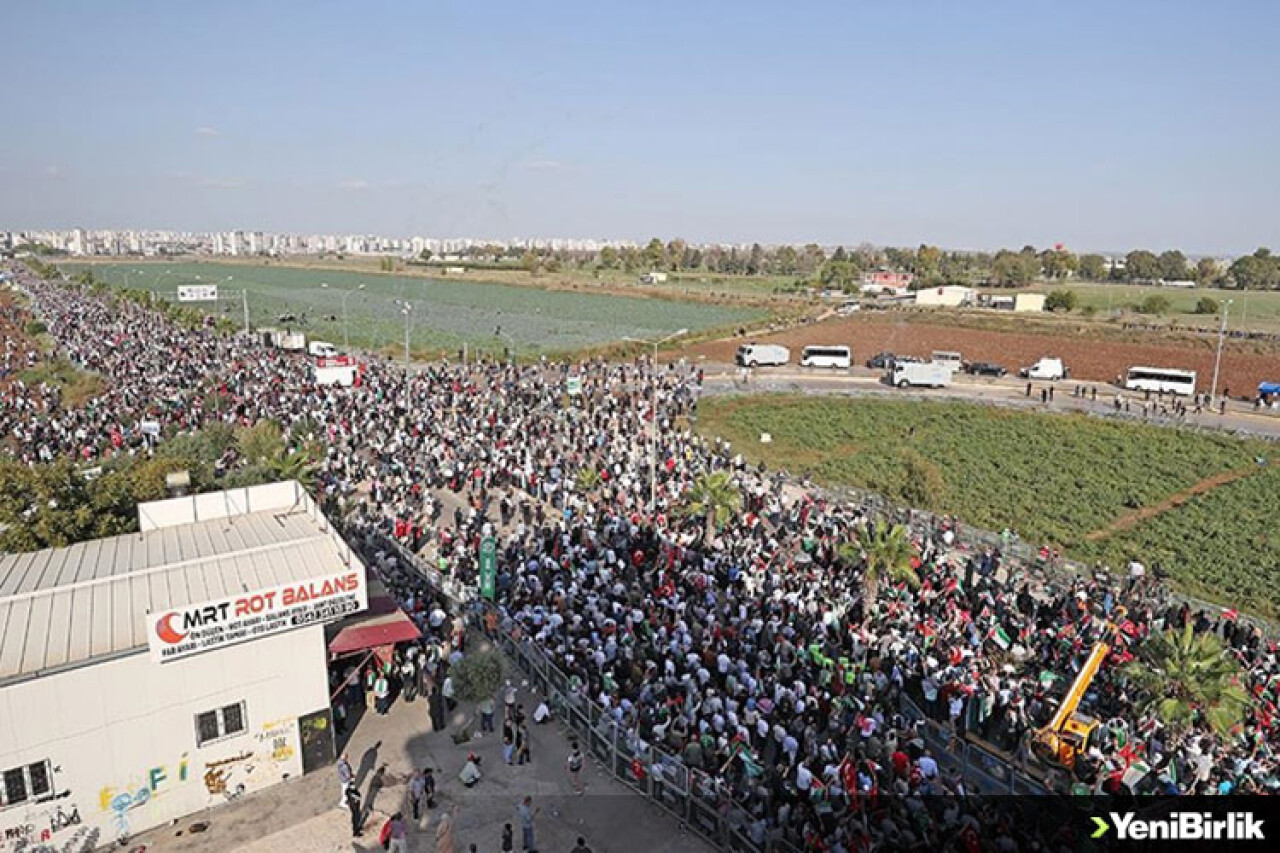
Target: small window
[
  {"x": 233, "y": 719},
  {"x": 41, "y": 785},
  {"x": 15, "y": 786},
  {"x": 227, "y": 721}
]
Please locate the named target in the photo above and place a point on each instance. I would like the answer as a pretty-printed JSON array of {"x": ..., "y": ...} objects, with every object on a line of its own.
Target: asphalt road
[{"x": 1240, "y": 417}]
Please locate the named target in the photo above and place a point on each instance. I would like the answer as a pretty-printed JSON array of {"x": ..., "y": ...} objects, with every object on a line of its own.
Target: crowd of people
[{"x": 751, "y": 657}]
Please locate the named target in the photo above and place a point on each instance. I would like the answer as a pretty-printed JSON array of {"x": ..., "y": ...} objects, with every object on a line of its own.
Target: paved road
[{"x": 726, "y": 379}]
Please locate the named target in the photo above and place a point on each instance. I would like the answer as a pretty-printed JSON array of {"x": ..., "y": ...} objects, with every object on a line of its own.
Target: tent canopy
[{"x": 383, "y": 624}]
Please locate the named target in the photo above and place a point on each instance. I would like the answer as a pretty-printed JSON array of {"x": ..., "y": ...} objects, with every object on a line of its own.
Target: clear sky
[{"x": 971, "y": 124}]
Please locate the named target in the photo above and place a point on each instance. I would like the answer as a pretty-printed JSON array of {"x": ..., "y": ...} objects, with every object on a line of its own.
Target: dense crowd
[{"x": 752, "y": 657}]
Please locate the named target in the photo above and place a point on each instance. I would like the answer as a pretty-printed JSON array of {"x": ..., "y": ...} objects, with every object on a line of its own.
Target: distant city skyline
[{"x": 1102, "y": 126}]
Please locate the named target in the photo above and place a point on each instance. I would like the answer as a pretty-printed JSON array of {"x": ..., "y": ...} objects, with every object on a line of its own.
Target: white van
[
  {"x": 827, "y": 356},
  {"x": 933, "y": 374},
  {"x": 1045, "y": 368},
  {"x": 322, "y": 349},
  {"x": 757, "y": 355},
  {"x": 951, "y": 359}
]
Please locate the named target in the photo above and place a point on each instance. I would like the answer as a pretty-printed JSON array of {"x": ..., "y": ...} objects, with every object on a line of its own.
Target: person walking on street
[
  {"x": 486, "y": 714},
  {"x": 356, "y": 805},
  {"x": 574, "y": 763},
  {"x": 346, "y": 778},
  {"x": 526, "y": 812},
  {"x": 581, "y": 846},
  {"x": 382, "y": 693},
  {"x": 417, "y": 793},
  {"x": 397, "y": 838}
]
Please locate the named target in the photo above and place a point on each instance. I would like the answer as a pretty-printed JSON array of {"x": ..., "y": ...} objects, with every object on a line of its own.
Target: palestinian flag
[
  {"x": 749, "y": 762},
  {"x": 1001, "y": 637}
]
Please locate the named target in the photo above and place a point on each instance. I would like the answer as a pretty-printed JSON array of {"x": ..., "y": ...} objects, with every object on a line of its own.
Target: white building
[
  {"x": 149, "y": 676},
  {"x": 948, "y": 296}
]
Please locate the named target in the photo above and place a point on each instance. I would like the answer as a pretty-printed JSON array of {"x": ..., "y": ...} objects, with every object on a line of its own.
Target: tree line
[{"x": 931, "y": 266}]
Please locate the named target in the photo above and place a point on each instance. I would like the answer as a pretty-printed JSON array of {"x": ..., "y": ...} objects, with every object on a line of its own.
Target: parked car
[
  {"x": 985, "y": 368},
  {"x": 881, "y": 361},
  {"x": 1045, "y": 368}
]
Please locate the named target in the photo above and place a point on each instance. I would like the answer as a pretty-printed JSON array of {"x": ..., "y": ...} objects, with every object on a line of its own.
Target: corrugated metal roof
[{"x": 64, "y": 606}]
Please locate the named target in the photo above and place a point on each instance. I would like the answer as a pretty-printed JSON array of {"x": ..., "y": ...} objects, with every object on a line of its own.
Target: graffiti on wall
[
  {"x": 40, "y": 828},
  {"x": 277, "y": 735},
  {"x": 232, "y": 776},
  {"x": 83, "y": 840},
  {"x": 138, "y": 792}
]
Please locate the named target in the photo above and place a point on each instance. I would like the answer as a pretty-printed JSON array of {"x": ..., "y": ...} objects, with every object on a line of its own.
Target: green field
[
  {"x": 445, "y": 313},
  {"x": 1050, "y": 478},
  {"x": 1249, "y": 309}
]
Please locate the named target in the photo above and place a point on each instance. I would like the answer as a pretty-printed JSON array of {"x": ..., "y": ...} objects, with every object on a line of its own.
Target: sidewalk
[{"x": 302, "y": 815}]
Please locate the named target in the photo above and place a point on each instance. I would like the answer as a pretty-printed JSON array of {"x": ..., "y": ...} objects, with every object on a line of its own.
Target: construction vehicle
[{"x": 1067, "y": 736}]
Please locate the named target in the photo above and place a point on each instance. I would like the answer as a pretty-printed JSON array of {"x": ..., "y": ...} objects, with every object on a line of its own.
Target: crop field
[
  {"x": 1249, "y": 308},
  {"x": 1096, "y": 489},
  {"x": 444, "y": 314}
]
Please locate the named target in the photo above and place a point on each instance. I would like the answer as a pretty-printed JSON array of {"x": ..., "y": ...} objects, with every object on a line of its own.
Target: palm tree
[
  {"x": 1185, "y": 674},
  {"x": 588, "y": 479},
  {"x": 715, "y": 497},
  {"x": 886, "y": 552}
]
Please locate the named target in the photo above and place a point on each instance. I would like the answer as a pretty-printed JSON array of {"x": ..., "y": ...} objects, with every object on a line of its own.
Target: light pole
[
  {"x": 346, "y": 343},
  {"x": 407, "y": 310},
  {"x": 653, "y": 415},
  {"x": 1217, "y": 359}
]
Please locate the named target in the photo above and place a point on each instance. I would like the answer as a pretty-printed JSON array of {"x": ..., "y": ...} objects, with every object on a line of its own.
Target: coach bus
[
  {"x": 1166, "y": 379},
  {"x": 827, "y": 356}
]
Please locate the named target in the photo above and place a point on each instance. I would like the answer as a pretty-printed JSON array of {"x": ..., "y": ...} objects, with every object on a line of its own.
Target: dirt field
[{"x": 1085, "y": 357}]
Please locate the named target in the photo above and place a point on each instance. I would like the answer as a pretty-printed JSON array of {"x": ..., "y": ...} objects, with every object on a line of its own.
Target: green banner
[{"x": 488, "y": 566}]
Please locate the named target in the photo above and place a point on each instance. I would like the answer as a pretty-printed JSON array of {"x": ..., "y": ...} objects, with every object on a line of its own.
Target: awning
[{"x": 383, "y": 624}]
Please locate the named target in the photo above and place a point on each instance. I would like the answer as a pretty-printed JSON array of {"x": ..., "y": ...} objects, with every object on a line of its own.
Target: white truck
[
  {"x": 929, "y": 374},
  {"x": 322, "y": 349},
  {"x": 761, "y": 355},
  {"x": 1045, "y": 368}
]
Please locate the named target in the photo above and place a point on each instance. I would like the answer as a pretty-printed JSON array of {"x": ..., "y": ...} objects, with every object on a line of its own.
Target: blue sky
[{"x": 966, "y": 124}]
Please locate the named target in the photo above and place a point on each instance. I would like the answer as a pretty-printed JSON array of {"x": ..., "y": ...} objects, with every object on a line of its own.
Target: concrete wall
[
  {"x": 121, "y": 736},
  {"x": 284, "y": 495}
]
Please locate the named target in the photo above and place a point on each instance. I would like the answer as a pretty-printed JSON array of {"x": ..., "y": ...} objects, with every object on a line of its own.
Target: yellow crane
[{"x": 1067, "y": 734}]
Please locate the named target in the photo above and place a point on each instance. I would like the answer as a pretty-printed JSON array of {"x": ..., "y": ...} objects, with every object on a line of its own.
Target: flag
[
  {"x": 749, "y": 764},
  {"x": 1230, "y": 615},
  {"x": 1001, "y": 637}
]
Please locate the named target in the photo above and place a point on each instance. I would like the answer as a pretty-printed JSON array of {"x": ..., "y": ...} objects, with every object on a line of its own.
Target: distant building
[
  {"x": 1177, "y": 283},
  {"x": 948, "y": 296},
  {"x": 653, "y": 278},
  {"x": 884, "y": 281}
]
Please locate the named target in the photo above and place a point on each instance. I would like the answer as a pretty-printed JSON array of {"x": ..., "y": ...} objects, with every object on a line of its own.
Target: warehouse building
[{"x": 149, "y": 676}]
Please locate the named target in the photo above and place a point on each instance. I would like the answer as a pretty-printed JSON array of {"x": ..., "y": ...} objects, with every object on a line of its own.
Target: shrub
[
  {"x": 1207, "y": 305},
  {"x": 478, "y": 675},
  {"x": 1156, "y": 304},
  {"x": 1060, "y": 300},
  {"x": 36, "y": 327}
]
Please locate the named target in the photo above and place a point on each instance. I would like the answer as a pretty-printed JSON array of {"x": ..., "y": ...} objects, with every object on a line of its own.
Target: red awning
[{"x": 383, "y": 624}]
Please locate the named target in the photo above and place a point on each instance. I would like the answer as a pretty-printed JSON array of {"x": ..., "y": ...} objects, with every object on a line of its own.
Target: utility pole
[
  {"x": 1217, "y": 359},
  {"x": 653, "y": 415},
  {"x": 406, "y": 311},
  {"x": 244, "y": 300}
]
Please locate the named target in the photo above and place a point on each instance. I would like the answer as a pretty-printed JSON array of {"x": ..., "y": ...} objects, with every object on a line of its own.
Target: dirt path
[{"x": 1129, "y": 519}]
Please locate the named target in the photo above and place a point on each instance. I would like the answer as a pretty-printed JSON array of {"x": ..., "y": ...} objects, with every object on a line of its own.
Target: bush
[
  {"x": 1156, "y": 304},
  {"x": 478, "y": 675},
  {"x": 36, "y": 327},
  {"x": 1207, "y": 305},
  {"x": 1060, "y": 300}
]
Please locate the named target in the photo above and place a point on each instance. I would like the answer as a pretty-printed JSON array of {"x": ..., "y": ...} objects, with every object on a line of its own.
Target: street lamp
[
  {"x": 407, "y": 310},
  {"x": 653, "y": 415},
  {"x": 346, "y": 343},
  {"x": 1217, "y": 359}
]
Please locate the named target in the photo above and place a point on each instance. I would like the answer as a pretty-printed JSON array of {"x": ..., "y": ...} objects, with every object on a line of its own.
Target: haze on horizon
[{"x": 1103, "y": 126}]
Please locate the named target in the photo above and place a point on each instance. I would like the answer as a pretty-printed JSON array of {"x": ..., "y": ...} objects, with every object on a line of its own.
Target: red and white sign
[
  {"x": 338, "y": 370},
  {"x": 174, "y": 634}
]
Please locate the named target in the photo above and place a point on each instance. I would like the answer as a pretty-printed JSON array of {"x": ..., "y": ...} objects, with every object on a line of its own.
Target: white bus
[
  {"x": 824, "y": 356},
  {"x": 1166, "y": 379}
]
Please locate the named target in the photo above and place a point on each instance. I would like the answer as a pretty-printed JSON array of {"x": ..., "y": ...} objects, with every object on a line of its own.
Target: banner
[
  {"x": 197, "y": 293},
  {"x": 488, "y": 566},
  {"x": 196, "y": 628}
]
